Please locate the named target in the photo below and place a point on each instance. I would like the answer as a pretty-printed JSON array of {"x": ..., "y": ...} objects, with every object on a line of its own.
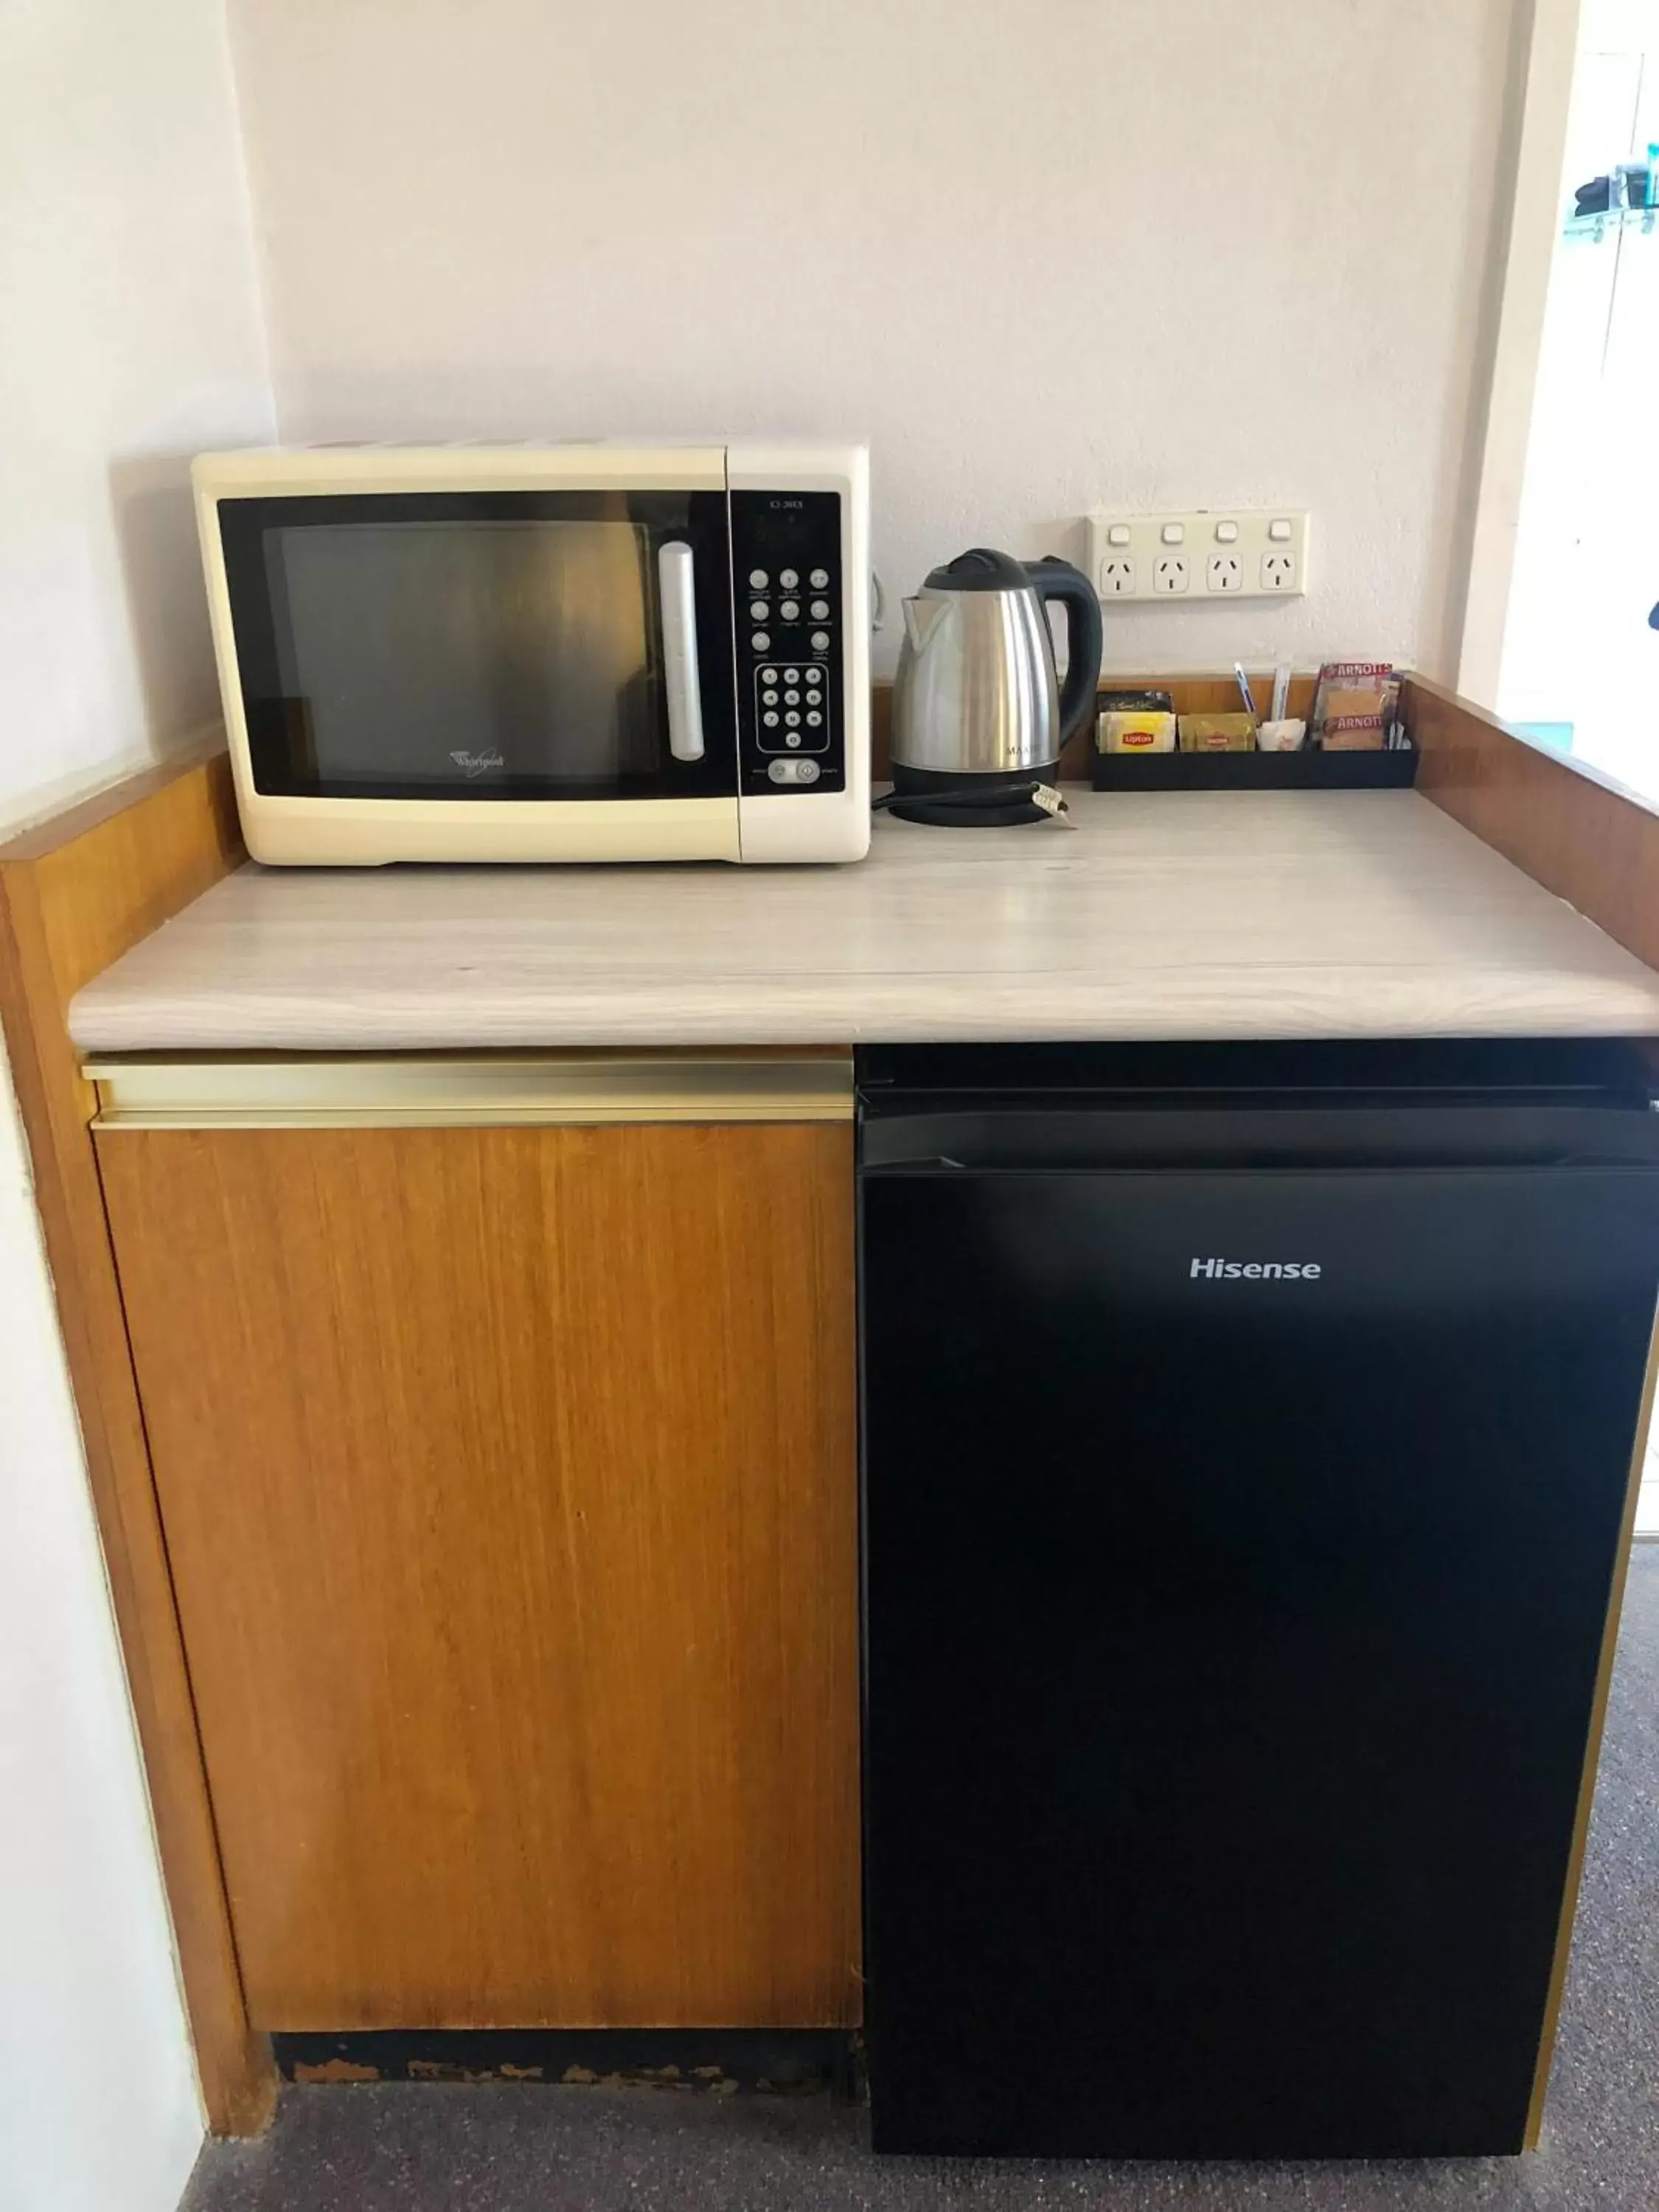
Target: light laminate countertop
[{"x": 1192, "y": 914}]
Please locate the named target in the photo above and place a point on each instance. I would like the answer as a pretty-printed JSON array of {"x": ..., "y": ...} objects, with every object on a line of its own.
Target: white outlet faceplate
[{"x": 1215, "y": 553}]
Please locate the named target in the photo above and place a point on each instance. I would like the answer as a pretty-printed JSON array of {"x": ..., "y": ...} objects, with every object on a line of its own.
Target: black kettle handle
[{"x": 1054, "y": 579}]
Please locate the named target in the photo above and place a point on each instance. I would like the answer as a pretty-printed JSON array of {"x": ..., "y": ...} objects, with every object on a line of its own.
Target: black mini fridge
[{"x": 1247, "y": 1460}]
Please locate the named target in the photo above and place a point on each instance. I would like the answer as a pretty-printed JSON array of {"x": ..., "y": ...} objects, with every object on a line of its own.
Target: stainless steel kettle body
[{"x": 978, "y": 711}]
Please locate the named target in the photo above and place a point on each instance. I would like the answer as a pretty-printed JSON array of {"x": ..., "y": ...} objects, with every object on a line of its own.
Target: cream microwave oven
[{"x": 589, "y": 652}]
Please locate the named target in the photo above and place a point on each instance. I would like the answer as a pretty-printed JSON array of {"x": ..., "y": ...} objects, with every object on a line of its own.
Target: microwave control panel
[{"x": 786, "y": 592}]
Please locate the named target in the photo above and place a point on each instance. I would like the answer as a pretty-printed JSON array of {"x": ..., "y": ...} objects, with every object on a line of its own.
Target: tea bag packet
[
  {"x": 1135, "y": 722},
  {"x": 1217, "y": 733}
]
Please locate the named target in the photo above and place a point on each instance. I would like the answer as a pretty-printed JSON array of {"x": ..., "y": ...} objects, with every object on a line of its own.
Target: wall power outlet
[{"x": 1209, "y": 553}]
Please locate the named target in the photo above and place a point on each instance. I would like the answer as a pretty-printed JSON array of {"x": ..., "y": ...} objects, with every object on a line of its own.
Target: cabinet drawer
[{"x": 509, "y": 1482}]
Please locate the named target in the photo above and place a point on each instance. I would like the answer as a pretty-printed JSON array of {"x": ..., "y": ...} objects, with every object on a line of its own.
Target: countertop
[{"x": 1188, "y": 914}]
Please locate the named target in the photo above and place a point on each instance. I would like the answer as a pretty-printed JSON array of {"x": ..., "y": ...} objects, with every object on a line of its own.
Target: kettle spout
[{"x": 921, "y": 619}]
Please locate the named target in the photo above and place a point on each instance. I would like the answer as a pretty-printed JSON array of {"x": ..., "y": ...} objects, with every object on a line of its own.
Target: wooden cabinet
[{"x": 507, "y": 1481}]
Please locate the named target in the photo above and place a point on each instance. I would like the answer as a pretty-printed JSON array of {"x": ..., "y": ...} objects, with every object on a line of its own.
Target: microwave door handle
[{"x": 677, "y": 583}]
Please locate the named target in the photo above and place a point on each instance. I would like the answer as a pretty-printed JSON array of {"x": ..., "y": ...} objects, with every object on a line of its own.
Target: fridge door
[{"x": 1232, "y": 1643}]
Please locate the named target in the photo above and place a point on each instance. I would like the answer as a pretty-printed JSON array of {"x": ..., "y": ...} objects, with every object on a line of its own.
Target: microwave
[{"x": 593, "y": 651}]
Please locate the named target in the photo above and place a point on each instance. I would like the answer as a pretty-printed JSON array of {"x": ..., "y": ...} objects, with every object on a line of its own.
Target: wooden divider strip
[{"x": 75, "y": 893}]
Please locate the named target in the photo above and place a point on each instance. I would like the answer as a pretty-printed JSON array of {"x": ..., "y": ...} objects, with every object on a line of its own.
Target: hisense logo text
[{"x": 1257, "y": 1270}]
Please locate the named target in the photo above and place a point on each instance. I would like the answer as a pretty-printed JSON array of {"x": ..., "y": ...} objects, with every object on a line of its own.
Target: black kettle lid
[{"x": 983, "y": 570}]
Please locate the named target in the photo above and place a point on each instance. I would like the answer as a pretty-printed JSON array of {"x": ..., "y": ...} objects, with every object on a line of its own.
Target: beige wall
[
  {"x": 132, "y": 338},
  {"x": 1045, "y": 256}
]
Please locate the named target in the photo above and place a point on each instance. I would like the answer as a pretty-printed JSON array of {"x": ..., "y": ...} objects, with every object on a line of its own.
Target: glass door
[{"x": 538, "y": 645}]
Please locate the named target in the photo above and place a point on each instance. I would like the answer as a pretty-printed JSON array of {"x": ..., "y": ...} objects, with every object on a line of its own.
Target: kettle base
[
  {"x": 944, "y": 816},
  {"x": 966, "y": 800}
]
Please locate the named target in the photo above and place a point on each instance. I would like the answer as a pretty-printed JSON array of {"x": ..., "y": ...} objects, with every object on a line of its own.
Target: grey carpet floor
[{"x": 534, "y": 2149}]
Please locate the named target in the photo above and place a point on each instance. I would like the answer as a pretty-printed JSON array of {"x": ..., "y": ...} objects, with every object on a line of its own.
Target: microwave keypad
[
  {"x": 789, "y": 699},
  {"x": 786, "y": 558}
]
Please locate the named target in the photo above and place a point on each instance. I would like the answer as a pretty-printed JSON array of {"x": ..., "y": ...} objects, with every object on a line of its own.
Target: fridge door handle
[{"x": 677, "y": 584}]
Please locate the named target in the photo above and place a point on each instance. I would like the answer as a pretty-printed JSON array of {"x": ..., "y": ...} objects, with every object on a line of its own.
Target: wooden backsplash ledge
[{"x": 1579, "y": 835}]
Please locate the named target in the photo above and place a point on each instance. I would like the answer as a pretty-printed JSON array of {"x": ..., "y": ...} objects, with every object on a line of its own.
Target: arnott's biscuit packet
[{"x": 1354, "y": 705}]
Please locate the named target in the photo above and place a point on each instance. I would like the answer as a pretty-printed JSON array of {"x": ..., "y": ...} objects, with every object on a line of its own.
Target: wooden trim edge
[
  {"x": 1592, "y": 1757},
  {"x": 75, "y": 892}
]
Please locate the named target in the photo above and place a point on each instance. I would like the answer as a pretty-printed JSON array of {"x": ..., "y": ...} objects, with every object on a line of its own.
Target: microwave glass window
[
  {"x": 423, "y": 650},
  {"x": 494, "y": 646}
]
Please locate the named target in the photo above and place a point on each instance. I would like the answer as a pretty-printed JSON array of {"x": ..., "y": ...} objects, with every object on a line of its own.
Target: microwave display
[{"x": 473, "y": 645}]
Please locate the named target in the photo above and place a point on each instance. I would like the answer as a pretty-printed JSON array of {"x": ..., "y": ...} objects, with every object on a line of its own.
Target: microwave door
[
  {"x": 487, "y": 646},
  {"x": 676, "y": 588}
]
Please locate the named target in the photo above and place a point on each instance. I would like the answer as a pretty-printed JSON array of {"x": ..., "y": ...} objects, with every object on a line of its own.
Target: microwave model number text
[{"x": 1254, "y": 1271}]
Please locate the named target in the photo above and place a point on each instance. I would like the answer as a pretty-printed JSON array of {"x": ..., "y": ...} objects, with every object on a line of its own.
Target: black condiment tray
[{"x": 1310, "y": 770}]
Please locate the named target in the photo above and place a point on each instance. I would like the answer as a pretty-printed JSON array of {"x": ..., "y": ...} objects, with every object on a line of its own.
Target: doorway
[{"x": 1579, "y": 662}]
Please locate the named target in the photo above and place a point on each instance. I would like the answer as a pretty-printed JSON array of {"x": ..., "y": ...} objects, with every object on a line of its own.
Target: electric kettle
[{"x": 979, "y": 715}]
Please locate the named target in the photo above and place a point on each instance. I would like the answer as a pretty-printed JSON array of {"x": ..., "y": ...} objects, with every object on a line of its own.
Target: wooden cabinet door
[{"x": 508, "y": 1483}]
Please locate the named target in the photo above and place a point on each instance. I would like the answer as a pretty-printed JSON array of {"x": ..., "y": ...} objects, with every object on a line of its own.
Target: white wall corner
[
  {"x": 1547, "y": 34},
  {"x": 126, "y": 255}
]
